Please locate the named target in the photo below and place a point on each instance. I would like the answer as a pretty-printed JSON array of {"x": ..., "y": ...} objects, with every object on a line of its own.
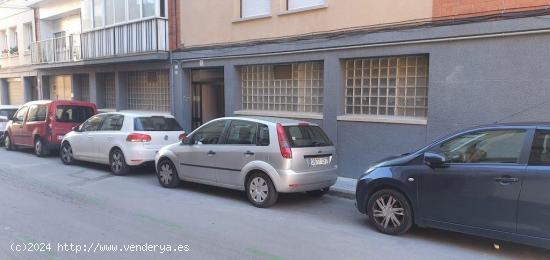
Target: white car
[
  {"x": 120, "y": 139},
  {"x": 6, "y": 112}
]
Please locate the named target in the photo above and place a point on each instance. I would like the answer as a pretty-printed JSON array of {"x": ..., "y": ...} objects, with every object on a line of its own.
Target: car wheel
[
  {"x": 318, "y": 193},
  {"x": 260, "y": 190},
  {"x": 167, "y": 174},
  {"x": 66, "y": 154},
  {"x": 118, "y": 163},
  {"x": 7, "y": 143},
  {"x": 390, "y": 212},
  {"x": 39, "y": 148}
]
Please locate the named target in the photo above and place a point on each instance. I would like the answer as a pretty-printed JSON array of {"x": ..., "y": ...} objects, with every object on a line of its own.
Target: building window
[
  {"x": 134, "y": 9},
  {"x": 99, "y": 13},
  {"x": 296, "y": 87},
  {"x": 394, "y": 87},
  {"x": 148, "y": 8},
  {"x": 300, "y": 4},
  {"x": 253, "y": 8},
  {"x": 27, "y": 36},
  {"x": 86, "y": 14},
  {"x": 4, "y": 42},
  {"x": 13, "y": 37},
  {"x": 148, "y": 90},
  {"x": 120, "y": 10},
  {"x": 110, "y": 12}
]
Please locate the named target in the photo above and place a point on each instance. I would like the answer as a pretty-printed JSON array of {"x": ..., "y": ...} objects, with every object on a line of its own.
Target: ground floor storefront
[{"x": 377, "y": 95}]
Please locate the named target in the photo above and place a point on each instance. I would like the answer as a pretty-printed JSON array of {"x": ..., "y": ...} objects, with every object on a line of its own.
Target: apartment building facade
[
  {"x": 381, "y": 77},
  {"x": 110, "y": 52}
]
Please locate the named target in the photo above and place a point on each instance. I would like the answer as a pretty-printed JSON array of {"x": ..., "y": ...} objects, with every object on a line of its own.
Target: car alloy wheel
[
  {"x": 118, "y": 163},
  {"x": 7, "y": 143},
  {"x": 260, "y": 190},
  {"x": 39, "y": 148},
  {"x": 167, "y": 174},
  {"x": 67, "y": 154},
  {"x": 389, "y": 211}
]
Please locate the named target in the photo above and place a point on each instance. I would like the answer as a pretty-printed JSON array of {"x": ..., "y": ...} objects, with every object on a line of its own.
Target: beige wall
[{"x": 217, "y": 21}]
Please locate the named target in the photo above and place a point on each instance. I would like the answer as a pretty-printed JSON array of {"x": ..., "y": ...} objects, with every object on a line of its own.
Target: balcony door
[{"x": 61, "y": 52}]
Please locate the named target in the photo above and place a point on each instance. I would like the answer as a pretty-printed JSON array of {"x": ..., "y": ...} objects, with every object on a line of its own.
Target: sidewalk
[{"x": 344, "y": 187}]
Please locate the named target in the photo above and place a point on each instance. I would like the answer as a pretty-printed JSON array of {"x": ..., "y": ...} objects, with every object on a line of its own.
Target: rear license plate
[{"x": 319, "y": 161}]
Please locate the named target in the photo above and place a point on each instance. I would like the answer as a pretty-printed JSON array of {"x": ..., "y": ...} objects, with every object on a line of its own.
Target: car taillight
[
  {"x": 183, "y": 137},
  {"x": 284, "y": 145},
  {"x": 138, "y": 138}
]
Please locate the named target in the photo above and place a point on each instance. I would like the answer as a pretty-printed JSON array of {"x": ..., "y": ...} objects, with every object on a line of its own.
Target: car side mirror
[
  {"x": 434, "y": 160},
  {"x": 76, "y": 128}
]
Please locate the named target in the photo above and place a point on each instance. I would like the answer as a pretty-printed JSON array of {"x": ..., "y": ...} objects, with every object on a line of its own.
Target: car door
[
  {"x": 35, "y": 122},
  {"x": 109, "y": 131},
  {"x": 17, "y": 131},
  {"x": 240, "y": 148},
  {"x": 479, "y": 186},
  {"x": 199, "y": 153},
  {"x": 84, "y": 143},
  {"x": 534, "y": 201}
]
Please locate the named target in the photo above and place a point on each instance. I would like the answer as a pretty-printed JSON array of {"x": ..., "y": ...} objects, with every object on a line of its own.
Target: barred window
[
  {"x": 149, "y": 90},
  {"x": 387, "y": 87},
  {"x": 296, "y": 87}
]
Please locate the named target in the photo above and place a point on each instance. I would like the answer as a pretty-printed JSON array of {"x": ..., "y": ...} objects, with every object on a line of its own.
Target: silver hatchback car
[{"x": 260, "y": 155}]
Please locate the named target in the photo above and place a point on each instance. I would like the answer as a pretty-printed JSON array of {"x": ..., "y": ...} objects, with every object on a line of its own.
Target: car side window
[
  {"x": 92, "y": 124},
  {"x": 20, "y": 115},
  {"x": 37, "y": 113},
  {"x": 242, "y": 132},
  {"x": 112, "y": 123},
  {"x": 263, "y": 135},
  {"x": 210, "y": 133},
  {"x": 491, "y": 146},
  {"x": 540, "y": 150}
]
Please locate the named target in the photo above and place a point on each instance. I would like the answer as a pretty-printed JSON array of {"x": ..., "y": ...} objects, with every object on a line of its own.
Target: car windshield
[
  {"x": 73, "y": 114},
  {"x": 8, "y": 113},
  {"x": 306, "y": 136},
  {"x": 156, "y": 123}
]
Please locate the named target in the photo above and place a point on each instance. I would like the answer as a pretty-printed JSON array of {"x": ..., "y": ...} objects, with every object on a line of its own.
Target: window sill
[
  {"x": 388, "y": 120},
  {"x": 252, "y": 18},
  {"x": 304, "y": 9},
  {"x": 280, "y": 114}
]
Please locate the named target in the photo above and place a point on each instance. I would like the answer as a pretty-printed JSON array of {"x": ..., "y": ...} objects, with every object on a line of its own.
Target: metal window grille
[
  {"x": 107, "y": 82},
  {"x": 83, "y": 84},
  {"x": 262, "y": 90},
  {"x": 388, "y": 86},
  {"x": 149, "y": 90}
]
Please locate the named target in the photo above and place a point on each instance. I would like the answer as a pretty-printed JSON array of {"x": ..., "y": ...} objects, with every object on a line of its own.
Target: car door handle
[
  {"x": 506, "y": 179},
  {"x": 210, "y": 153},
  {"x": 248, "y": 153}
]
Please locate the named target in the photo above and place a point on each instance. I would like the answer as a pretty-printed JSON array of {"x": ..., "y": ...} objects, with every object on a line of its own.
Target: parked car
[
  {"x": 491, "y": 181},
  {"x": 43, "y": 124},
  {"x": 120, "y": 139},
  {"x": 6, "y": 113},
  {"x": 262, "y": 156}
]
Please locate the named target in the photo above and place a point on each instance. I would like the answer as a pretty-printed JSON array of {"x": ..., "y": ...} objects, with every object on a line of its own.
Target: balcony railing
[
  {"x": 62, "y": 49},
  {"x": 144, "y": 36}
]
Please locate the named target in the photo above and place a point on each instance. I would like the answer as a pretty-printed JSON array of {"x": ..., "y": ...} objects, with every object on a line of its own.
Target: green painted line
[
  {"x": 160, "y": 221},
  {"x": 264, "y": 255}
]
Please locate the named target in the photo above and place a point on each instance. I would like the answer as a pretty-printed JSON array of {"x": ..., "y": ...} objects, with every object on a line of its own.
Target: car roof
[
  {"x": 9, "y": 107},
  {"x": 269, "y": 120},
  {"x": 515, "y": 124},
  {"x": 60, "y": 102},
  {"x": 131, "y": 113}
]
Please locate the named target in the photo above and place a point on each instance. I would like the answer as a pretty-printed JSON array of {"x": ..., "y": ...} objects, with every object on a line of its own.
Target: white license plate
[{"x": 320, "y": 161}]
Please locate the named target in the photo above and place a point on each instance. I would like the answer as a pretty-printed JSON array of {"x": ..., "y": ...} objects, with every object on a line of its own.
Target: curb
[{"x": 342, "y": 193}]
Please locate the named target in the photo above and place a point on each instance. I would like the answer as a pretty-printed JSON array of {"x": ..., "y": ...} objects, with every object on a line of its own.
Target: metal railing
[
  {"x": 62, "y": 49},
  {"x": 143, "y": 36}
]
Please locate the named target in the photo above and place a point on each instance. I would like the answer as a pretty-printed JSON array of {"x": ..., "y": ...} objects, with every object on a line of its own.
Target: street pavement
[{"x": 83, "y": 207}]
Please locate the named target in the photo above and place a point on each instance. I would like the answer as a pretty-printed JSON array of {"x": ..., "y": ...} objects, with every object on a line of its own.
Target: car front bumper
[{"x": 291, "y": 181}]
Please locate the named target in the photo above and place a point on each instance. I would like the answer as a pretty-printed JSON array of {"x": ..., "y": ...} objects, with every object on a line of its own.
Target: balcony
[{"x": 139, "y": 37}]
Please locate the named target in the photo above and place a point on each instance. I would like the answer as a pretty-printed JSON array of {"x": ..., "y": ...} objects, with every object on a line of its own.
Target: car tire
[
  {"x": 39, "y": 148},
  {"x": 167, "y": 174},
  {"x": 66, "y": 154},
  {"x": 8, "y": 143},
  {"x": 318, "y": 193},
  {"x": 117, "y": 162},
  {"x": 390, "y": 212},
  {"x": 260, "y": 190}
]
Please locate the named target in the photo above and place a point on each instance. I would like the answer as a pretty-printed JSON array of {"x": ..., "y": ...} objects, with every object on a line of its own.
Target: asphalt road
[{"x": 43, "y": 202}]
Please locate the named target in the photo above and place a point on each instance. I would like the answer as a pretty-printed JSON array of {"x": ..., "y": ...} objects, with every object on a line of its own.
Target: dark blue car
[{"x": 491, "y": 181}]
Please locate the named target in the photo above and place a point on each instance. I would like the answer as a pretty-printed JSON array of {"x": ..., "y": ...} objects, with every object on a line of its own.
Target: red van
[{"x": 42, "y": 124}]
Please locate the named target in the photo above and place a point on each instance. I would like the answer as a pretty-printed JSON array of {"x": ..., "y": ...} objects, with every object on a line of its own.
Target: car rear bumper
[
  {"x": 137, "y": 156},
  {"x": 291, "y": 181}
]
